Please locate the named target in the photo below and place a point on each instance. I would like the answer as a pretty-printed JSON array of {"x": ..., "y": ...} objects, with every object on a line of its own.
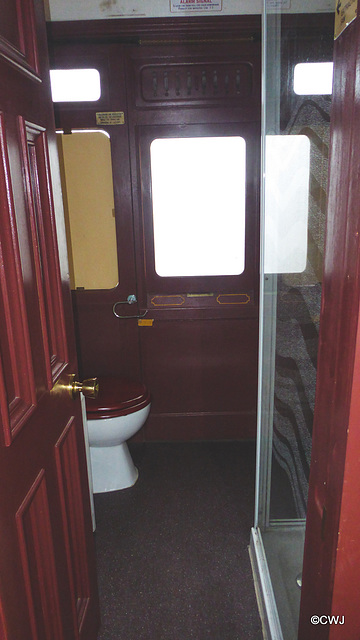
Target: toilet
[{"x": 118, "y": 412}]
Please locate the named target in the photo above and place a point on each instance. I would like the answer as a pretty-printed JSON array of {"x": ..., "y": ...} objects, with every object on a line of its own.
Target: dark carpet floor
[{"x": 173, "y": 562}]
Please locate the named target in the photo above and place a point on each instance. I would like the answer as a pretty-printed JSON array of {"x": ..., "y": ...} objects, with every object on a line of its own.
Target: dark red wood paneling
[
  {"x": 66, "y": 453},
  {"x": 192, "y": 83},
  {"x": 188, "y": 30},
  {"x": 37, "y": 553},
  {"x": 27, "y": 137},
  {"x": 346, "y": 575},
  {"x": 201, "y": 375},
  {"x": 331, "y": 559},
  {"x": 3, "y": 634},
  {"x": 199, "y": 357},
  {"x": 44, "y": 241},
  {"x": 17, "y": 40},
  {"x": 17, "y": 395},
  {"x": 106, "y": 345},
  {"x": 227, "y": 105}
]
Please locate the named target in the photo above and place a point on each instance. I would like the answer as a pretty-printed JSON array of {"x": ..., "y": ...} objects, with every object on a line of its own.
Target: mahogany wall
[{"x": 199, "y": 361}]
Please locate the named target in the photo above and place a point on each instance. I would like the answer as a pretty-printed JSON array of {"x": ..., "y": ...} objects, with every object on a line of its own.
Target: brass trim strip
[
  {"x": 199, "y": 295},
  {"x": 227, "y": 295},
  {"x": 167, "y": 304}
]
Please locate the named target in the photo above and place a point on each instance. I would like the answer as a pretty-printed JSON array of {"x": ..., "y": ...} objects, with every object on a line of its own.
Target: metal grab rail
[{"x": 131, "y": 299}]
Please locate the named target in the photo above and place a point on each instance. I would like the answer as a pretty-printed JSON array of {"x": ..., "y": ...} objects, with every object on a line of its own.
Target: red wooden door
[
  {"x": 47, "y": 568},
  {"x": 331, "y": 557}
]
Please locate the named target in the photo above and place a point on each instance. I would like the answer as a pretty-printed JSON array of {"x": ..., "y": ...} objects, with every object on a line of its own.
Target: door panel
[
  {"x": 43, "y": 235},
  {"x": 202, "y": 380},
  {"x": 69, "y": 481},
  {"x": 38, "y": 561},
  {"x": 18, "y": 42},
  {"x": 18, "y": 394},
  {"x": 47, "y": 568},
  {"x": 199, "y": 348}
]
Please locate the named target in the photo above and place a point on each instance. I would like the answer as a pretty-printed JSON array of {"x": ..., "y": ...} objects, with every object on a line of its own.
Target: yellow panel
[{"x": 89, "y": 206}]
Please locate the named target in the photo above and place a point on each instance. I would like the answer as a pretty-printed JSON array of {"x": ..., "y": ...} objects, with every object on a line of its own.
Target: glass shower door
[{"x": 296, "y": 123}]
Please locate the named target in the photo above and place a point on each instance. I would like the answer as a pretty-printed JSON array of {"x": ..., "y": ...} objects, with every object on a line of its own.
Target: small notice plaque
[
  {"x": 176, "y": 6},
  {"x": 147, "y": 322},
  {"x": 110, "y": 117},
  {"x": 345, "y": 13}
]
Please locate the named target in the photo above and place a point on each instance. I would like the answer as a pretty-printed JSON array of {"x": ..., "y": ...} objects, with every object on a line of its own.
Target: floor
[{"x": 172, "y": 551}]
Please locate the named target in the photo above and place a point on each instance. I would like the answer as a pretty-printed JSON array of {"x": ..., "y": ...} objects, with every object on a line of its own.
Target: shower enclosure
[{"x": 296, "y": 124}]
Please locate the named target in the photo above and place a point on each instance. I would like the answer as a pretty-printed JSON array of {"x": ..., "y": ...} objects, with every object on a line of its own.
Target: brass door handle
[{"x": 89, "y": 387}]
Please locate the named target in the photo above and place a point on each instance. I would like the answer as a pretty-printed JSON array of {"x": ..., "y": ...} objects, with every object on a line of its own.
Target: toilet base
[{"x": 112, "y": 468}]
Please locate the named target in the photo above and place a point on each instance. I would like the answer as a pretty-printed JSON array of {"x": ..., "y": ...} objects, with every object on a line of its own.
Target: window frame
[{"x": 247, "y": 281}]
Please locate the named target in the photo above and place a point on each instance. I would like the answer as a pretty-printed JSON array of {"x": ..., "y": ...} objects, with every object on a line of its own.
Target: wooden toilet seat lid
[{"x": 117, "y": 396}]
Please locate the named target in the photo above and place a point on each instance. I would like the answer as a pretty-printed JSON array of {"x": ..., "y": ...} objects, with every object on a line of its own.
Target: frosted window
[
  {"x": 313, "y": 78},
  {"x": 287, "y": 171},
  {"x": 75, "y": 85},
  {"x": 198, "y": 193}
]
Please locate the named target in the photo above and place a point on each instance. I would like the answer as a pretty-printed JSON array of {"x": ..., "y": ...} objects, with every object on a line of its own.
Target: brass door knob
[{"x": 89, "y": 387}]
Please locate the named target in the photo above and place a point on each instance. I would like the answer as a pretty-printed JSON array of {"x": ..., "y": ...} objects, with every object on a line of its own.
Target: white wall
[{"x": 97, "y": 9}]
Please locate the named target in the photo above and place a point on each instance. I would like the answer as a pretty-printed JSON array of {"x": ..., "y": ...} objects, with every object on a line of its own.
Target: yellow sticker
[
  {"x": 110, "y": 117},
  {"x": 145, "y": 322},
  {"x": 345, "y": 13}
]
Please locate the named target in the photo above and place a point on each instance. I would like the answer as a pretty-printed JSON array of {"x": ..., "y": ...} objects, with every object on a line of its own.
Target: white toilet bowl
[{"x": 118, "y": 412}]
